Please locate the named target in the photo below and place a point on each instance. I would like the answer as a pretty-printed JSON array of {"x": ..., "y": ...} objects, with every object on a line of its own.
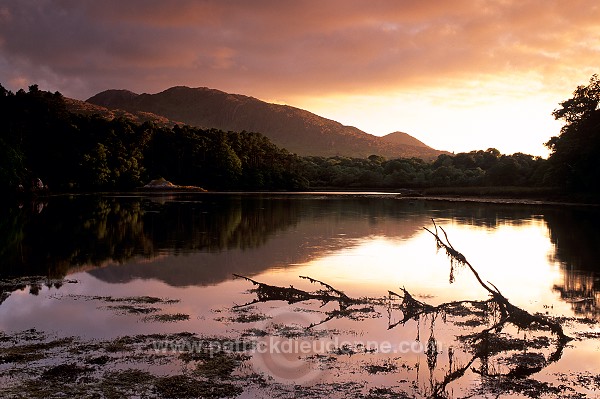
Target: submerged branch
[
  {"x": 266, "y": 292},
  {"x": 460, "y": 258},
  {"x": 412, "y": 308},
  {"x": 329, "y": 288},
  {"x": 511, "y": 313},
  {"x": 495, "y": 313}
]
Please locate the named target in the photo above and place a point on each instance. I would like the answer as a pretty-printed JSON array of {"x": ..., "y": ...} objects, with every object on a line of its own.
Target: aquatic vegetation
[{"x": 167, "y": 318}]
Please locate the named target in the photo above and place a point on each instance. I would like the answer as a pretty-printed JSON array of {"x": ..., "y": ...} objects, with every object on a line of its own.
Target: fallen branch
[
  {"x": 329, "y": 288},
  {"x": 266, "y": 292},
  {"x": 495, "y": 312},
  {"x": 412, "y": 308},
  {"x": 513, "y": 314}
]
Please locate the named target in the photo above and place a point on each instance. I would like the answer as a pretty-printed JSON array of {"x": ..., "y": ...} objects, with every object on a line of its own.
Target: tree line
[
  {"x": 475, "y": 168},
  {"x": 41, "y": 141}
]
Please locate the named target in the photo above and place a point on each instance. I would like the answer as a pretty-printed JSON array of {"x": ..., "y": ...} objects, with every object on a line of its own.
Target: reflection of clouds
[
  {"x": 55, "y": 311},
  {"x": 361, "y": 246},
  {"x": 378, "y": 263},
  {"x": 373, "y": 243}
]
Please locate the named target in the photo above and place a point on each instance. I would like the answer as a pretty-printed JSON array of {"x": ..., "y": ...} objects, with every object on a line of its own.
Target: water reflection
[
  {"x": 204, "y": 239},
  {"x": 86, "y": 232},
  {"x": 186, "y": 248},
  {"x": 582, "y": 290},
  {"x": 574, "y": 232}
]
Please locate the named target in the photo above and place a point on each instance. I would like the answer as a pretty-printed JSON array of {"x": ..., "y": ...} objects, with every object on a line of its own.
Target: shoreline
[{"x": 484, "y": 195}]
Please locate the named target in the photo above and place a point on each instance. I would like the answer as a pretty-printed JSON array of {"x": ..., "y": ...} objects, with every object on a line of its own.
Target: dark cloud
[{"x": 287, "y": 48}]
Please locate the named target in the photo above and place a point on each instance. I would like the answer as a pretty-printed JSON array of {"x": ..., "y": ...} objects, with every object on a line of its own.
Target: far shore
[{"x": 493, "y": 195}]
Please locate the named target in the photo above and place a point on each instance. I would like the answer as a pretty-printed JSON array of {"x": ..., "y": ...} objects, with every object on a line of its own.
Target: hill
[
  {"x": 403, "y": 139},
  {"x": 89, "y": 109},
  {"x": 295, "y": 129}
]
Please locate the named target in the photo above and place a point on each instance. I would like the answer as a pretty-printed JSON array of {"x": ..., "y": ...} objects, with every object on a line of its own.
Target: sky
[{"x": 460, "y": 75}]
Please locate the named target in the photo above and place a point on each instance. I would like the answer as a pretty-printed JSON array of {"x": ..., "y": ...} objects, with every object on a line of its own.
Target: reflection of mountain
[
  {"x": 194, "y": 239},
  {"x": 218, "y": 234},
  {"x": 310, "y": 226},
  {"x": 575, "y": 234},
  {"x": 321, "y": 225}
]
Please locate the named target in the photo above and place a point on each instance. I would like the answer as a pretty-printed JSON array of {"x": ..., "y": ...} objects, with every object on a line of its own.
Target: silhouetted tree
[{"x": 574, "y": 156}]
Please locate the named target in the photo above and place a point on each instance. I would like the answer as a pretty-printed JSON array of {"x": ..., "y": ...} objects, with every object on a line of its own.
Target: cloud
[
  {"x": 296, "y": 47},
  {"x": 302, "y": 49}
]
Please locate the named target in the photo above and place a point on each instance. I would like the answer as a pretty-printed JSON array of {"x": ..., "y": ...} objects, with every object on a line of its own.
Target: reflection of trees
[
  {"x": 216, "y": 223},
  {"x": 11, "y": 234},
  {"x": 68, "y": 234},
  {"x": 72, "y": 233},
  {"x": 582, "y": 290},
  {"x": 574, "y": 232},
  {"x": 86, "y": 231},
  {"x": 89, "y": 231},
  {"x": 33, "y": 283},
  {"x": 486, "y": 214},
  {"x": 252, "y": 233},
  {"x": 75, "y": 233}
]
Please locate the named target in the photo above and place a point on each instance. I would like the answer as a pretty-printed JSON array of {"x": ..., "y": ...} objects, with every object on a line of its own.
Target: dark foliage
[
  {"x": 475, "y": 168},
  {"x": 40, "y": 139},
  {"x": 574, "y": 158}
]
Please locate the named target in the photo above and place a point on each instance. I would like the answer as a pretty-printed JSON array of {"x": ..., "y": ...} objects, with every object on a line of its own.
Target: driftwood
[
  {"x": 488, "y": 342},
  {"x": 482, "y": 345},
  {"x": 510, "y": 313},
  {"x": 266, "y": 292}
]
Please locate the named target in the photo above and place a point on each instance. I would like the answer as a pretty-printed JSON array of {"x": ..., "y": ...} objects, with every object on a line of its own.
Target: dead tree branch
[
  {"x": 513, "y": 314},
  {"x": 266, "y": 292}
]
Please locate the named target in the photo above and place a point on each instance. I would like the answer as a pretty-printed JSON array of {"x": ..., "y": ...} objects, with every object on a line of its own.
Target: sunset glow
[{"x": 458, "y": 75}]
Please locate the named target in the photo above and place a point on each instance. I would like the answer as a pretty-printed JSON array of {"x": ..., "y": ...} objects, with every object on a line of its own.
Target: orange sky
[{"x": 459, "y": 75}]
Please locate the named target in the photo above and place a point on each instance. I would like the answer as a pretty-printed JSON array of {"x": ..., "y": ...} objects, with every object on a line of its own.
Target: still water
[{"x": 186, "y": 249}]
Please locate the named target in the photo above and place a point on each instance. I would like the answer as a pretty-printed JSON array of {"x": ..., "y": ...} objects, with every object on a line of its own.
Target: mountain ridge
[
  {"x": 403, "y": 138},
  {"x": 85, "y": 108},
  {"x": 298, "y": 130}
]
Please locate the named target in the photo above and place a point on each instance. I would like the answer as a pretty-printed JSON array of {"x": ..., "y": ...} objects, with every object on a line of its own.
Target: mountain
[
  {"x": 402, "y": 139},
  {"x": 85, "y": 108},
  {"x": 295, "y": 129}
]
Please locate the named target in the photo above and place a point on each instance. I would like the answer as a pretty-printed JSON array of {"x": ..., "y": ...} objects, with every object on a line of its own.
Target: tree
[
  {"x": 505, "y": 172},
  {"x": 573, "y": 159},
  {"x": 11, "y": 166}
]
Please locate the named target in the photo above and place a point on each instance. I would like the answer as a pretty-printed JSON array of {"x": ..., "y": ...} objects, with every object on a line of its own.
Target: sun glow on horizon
[
  {"x": 455, "y": 75},
  {"x": 451, "y": 118}
]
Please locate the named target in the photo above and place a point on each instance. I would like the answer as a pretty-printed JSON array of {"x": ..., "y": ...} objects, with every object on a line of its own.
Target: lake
[{"x": 145, "y": 296}]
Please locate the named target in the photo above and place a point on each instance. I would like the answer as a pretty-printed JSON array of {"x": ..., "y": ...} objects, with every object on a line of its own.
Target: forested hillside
[
  {"x": 67, "y": 151},
  {"x": 294, "y": 129},
  {"x": 45, "y": 145}
]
